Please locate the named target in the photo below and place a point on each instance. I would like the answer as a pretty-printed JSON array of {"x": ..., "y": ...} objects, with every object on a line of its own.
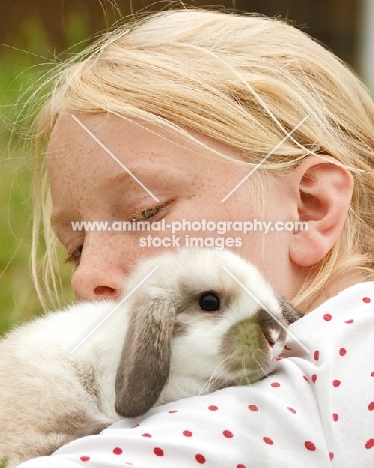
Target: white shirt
[{"x": 316, "y": 409}]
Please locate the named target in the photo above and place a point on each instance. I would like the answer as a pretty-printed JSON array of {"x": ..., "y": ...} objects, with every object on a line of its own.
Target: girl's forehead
[{"x": 107, "y": 138}]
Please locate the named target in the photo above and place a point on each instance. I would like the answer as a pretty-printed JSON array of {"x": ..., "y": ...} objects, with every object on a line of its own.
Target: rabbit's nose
[
  {"x": 272, "y": 332},
  {"x": 272, "y": 327}
]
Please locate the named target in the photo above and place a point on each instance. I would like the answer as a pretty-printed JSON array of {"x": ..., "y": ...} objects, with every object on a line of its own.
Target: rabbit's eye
[{"x": 209, "y": 302}]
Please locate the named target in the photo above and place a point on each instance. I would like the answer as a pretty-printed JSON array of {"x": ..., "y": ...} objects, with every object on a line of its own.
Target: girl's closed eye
[
  {"x": 148, "y": 212},
  {"x": 75, "y": 255}
]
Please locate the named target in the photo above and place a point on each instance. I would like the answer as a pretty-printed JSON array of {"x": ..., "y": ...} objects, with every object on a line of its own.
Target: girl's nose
[
  {"x": 96, "y": 281},
  {"x": 103, "y": 267}
]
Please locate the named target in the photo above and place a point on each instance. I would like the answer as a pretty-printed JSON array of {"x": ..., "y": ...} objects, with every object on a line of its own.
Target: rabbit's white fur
[{"x": 158, "y": 338}]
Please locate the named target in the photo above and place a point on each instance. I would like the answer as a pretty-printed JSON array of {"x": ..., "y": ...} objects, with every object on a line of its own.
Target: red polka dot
[
  {"x": 279, "y": 358},
  {"x": 314, "y": 378},
  {"x": 187, "y": 433},
  {"x": 117, "y": 451},
  {"x": 310, "y": 446},
  {"x": 349, "y": 321},
  {"x": 228, "y": 434},
  {"x": 335, "y": 417},
  {"x": 316, "y": 355},
  {"x": 84, "y": 458},
  {"x": 146, "y": 434},
  {"x": 367, "y": 300},
  {"x": 371, "y": 406},
  {"x": 331, "y": 456},
  {"x": 268, "y": 441},
  {"x": 173, "y": 411},
  {"x": 327, "y": 317},
  {"x": 200, "y": 458},
  {"x": 336, "y": 383},
  {"x": 213, "y": 408},
  {"x": 275, "y": 384},
  {"x": 342, "y": 351},
  {"x": 253, "y": 408},
  {"x": 158, "y": 452},
  {"x": 240, "y": 465},
  {"x": 372, "y": 374},
  {"x": 369, "y": 444},
  {"x": 291, "y": 409}
]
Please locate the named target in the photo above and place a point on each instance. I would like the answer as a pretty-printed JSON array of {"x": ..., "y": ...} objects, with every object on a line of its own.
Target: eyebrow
[
  {"x": 143, "y": 172},
  {"x": 122, "y": 178},
  {"x": 126, "y": 177},
  {"x": 58, "y": 218}
]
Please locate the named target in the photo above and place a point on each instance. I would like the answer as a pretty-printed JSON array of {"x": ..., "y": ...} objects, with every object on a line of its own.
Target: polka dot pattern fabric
[{"x": 315, "y": 409}]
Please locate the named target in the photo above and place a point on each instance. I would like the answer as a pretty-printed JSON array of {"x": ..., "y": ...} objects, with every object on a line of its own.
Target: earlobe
[{"x": 324, "y": 196}]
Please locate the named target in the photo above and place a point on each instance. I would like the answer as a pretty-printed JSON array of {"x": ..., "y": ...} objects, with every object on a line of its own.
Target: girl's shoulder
[
  {"x": 337, "y": 322},
  {"x": 347, "y": 307}
]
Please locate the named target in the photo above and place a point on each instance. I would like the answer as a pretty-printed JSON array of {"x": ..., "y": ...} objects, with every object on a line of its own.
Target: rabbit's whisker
[
  {"x": 261, "y": 368},
  {"x": 216, "y": 375},
  {"x": 248, "y": 372},
  {"x": 218, "y": 372}
]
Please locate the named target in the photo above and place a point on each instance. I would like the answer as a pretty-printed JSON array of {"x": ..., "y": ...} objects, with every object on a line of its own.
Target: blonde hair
[{"x": 244, "y": 81}]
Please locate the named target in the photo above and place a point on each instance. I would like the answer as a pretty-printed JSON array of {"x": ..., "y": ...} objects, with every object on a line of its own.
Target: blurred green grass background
[{"x": 23, "y": 62}]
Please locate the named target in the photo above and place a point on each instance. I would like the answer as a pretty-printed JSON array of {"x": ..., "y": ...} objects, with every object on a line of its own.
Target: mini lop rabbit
[{"x": 189, "y": 329}]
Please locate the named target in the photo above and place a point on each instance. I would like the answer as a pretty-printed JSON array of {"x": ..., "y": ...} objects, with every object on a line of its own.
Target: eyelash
[
  {"x": 144, "y": 213},
  {"x": 148, "y": 212},
  {"x": 72, "y": 256}
]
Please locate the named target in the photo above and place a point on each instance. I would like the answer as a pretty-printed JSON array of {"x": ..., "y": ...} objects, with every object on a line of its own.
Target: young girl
[{"x": 197, "y": 117}]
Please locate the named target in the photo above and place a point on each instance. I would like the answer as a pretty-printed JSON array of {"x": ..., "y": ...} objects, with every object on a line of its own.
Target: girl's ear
[
  {"x": 324, "y": 191},
  {"x": 144, "y": 366}
]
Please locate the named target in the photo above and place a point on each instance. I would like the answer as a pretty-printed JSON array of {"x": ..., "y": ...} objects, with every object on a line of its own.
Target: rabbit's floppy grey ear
[
  {"x": 144, "y": 366},
  {"x": 289, "y": 312}
]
